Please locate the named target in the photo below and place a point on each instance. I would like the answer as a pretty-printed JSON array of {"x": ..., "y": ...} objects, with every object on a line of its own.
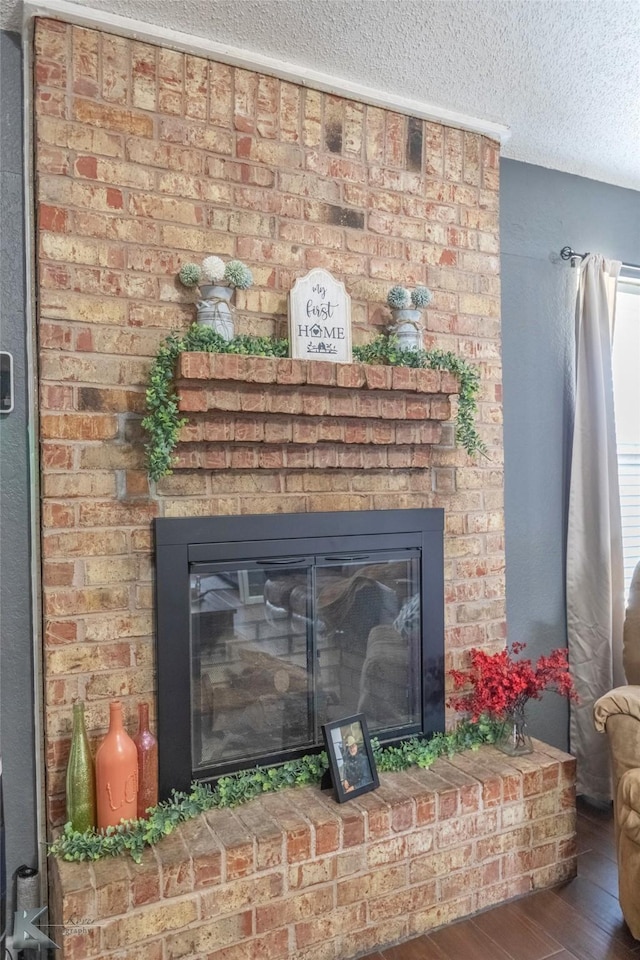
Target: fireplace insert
[{"x": 270, "y": 626}]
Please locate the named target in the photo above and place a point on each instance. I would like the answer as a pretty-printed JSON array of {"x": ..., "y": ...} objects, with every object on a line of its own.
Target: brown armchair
[{"x": 618, "y": 712}]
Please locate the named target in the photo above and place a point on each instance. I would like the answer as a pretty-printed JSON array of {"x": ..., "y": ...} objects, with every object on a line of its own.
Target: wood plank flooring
[{"x": 580, "y": 920}]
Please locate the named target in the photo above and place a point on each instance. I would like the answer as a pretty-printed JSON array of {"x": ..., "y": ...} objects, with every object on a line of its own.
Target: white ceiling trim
[{"x": 248, "y": 60}]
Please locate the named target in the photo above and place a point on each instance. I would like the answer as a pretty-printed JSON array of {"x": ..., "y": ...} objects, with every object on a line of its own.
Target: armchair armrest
[
  {"x": 622, "y": 701},
  {"x": 627, "y": 809},
  {"x": 618, "y": 712},
  {"x": 628, "y": 805}
]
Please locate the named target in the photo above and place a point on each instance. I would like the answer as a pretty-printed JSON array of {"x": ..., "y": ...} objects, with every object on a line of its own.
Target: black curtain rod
[{"x": 568, "y": 254}]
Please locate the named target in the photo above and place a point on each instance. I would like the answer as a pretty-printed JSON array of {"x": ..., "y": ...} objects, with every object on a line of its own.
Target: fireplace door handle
[
  {"x": 279, "y": 563},
  {"x": 350, "y": 559}
]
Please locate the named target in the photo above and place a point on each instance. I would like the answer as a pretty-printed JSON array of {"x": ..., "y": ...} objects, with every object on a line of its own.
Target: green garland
[
  {"x": 163, "y": 421},
  {"x": 386, "y": 350},
  {"x": 132, "y": 837}
]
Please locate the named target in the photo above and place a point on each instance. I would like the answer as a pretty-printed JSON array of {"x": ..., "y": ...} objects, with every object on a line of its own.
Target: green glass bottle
[{"x": 81, "y": 788}]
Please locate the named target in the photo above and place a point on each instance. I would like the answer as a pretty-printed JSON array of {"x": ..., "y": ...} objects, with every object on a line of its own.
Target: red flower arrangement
[{"x": 501, "y": 685}]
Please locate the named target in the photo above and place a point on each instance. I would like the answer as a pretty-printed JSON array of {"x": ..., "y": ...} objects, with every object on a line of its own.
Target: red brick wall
[{"x": 146, "y": 158}]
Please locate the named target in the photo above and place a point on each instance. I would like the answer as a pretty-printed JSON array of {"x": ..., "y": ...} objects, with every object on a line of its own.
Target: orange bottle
[
  {"x": 147, "y": 747},
  {"x": 116, "y": 773}
]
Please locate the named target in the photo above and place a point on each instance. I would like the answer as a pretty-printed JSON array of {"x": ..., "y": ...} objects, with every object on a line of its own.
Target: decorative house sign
[{"x": 320, "y": 318}]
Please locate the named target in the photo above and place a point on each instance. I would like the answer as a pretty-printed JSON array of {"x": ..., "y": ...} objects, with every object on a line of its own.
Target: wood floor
[{"x": 578, "y": 921}]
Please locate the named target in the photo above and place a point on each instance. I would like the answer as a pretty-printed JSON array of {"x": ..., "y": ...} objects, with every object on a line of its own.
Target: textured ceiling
[{"x": 564, "y": 75}]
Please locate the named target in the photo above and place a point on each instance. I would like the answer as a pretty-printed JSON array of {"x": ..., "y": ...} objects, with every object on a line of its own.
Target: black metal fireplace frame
[{"x": 182, "y": 541}]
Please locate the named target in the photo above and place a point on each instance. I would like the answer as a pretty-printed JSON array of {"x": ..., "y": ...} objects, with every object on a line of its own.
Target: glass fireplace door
[
  {"x": 369, "y": 647},
  {"x": 251, "y": 660},
  {"x": 279, "y": 647}
]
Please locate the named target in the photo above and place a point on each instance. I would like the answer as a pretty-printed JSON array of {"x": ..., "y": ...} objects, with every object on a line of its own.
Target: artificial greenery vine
[
  {"x": 132, "y": 837},
  {"x": 163, "y": 421},
  {"x": 386, "y": 350}
]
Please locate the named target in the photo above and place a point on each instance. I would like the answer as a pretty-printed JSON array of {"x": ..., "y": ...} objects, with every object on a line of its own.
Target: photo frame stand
[{"x": 326, "y": 783}]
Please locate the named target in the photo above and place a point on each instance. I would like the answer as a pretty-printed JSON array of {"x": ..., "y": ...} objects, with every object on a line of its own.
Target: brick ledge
[
  {"x": 264, "y": 412},
  {"x": 286, "y": 371},
  {"x": 288, "y": 872}
]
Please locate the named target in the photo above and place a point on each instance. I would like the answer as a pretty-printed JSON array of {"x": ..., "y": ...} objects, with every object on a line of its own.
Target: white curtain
[{"x": 595, "y": 579}]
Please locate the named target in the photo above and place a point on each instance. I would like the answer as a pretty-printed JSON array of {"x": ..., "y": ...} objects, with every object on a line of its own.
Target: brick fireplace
[{"x": 146, "y": 158}]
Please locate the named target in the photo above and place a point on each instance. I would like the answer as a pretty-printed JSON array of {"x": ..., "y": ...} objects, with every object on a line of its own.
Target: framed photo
[{"x": 351, "y": 763}]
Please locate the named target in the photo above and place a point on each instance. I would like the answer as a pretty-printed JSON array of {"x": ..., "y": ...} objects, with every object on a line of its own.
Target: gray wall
[
  {"x": 17, "y": 733},
  {"x": 541, "y": 212}
]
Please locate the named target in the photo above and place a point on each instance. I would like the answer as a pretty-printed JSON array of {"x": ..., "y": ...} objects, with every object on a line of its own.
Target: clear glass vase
[{"x": 514, "y": 739}]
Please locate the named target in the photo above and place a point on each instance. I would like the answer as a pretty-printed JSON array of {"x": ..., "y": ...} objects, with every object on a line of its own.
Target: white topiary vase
[
  {"x": 407, "y": 327},
  {"x": 215, "y": 310}
]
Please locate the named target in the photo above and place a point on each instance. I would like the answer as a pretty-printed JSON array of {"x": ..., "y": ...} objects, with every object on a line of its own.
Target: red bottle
[
  {"x": 147, "y": 747},
  {"x": 116, "y": 773}
]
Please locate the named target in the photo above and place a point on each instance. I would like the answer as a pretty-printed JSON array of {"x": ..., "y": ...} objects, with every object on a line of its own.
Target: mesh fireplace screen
[{"x": 270, "y": 626}]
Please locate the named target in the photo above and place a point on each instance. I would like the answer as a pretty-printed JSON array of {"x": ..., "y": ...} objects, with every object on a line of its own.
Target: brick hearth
[{"x": 294, "y": 874}]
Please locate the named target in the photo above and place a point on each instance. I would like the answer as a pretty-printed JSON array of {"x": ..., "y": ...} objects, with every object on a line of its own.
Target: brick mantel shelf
[{"x": 252, "y": 412}]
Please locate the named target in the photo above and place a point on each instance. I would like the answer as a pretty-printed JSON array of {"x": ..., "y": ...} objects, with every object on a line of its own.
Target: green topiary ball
[
  {"x": 399, "y": 298},
  {"x": 421, "y": 297},
  {"x": 238, "y": 275},
  {"x": 190, "y": 274}
]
